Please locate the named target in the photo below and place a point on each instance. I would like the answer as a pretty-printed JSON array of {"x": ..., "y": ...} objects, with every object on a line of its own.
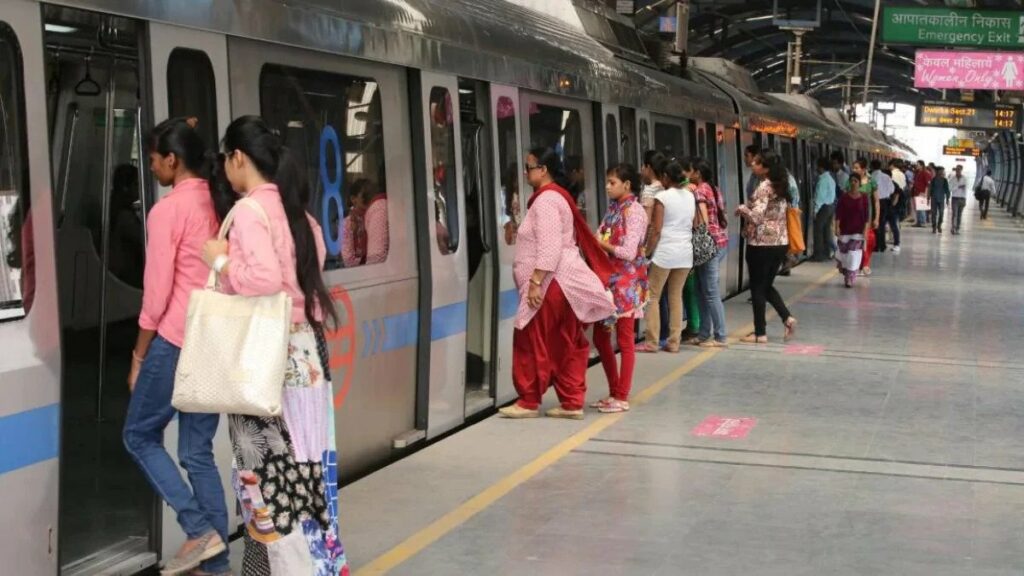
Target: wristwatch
[{"x": 219, "y": 262}]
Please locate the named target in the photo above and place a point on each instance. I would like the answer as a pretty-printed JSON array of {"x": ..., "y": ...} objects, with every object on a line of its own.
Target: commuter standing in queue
[
  {"x": 940, "y": 194},
  {"x": 749, "y": 153},
  {"x": 711, "y": 208},
  {"x": 958, "y": 196},
  {"x": 560, "y": 293},
  {"x": 178, "y": 226},
  {"x": 654, "y": 164},
  {"x": 851, "y": 222},
  {"x": 286, "y": 466},
  {"x": 868, "y": 188},
  {"x": 671, "y": 252},
  {"x": 824, "y": 209},
  {"x": 622, "y": 236},
  {"x": 767, "y": 243}
]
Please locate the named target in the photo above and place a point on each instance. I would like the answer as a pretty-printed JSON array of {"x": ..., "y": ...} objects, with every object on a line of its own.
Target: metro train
[{"x": 433, "y": 102}]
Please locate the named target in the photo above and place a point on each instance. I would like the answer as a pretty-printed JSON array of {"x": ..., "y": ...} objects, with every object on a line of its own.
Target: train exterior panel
[{"x": 427, "y": 107}]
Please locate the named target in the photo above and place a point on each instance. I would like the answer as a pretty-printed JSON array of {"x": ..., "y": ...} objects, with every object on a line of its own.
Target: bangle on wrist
[
  {"x": 220, "y": 262},
  {"x": 137, "y": 358},
  {"x": 535, "y": 283}
]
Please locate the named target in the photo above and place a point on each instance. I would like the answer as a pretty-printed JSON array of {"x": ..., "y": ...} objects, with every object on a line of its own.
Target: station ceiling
[{"x": 742, "y": 31}]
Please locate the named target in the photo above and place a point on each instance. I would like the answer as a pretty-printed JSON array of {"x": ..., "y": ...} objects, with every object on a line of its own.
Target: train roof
[{"x": 493, "y": 40}]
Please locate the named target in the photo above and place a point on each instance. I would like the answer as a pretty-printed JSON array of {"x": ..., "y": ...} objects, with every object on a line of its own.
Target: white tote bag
[{"x": 236, "y": 347}]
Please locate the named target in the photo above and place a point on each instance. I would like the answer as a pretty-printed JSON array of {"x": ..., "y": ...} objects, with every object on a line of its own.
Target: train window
[
  {"x": 645, "y": 136},
  {"x": 192, "y": 91},
  {"x": 611, "y": 139},
  {"x": 668, "y": 139},
  {"x": 17, "y": 260},
  {"x": 702, "y": 149},
  {"x": 508, "y": 164},
  {"x": 627, "y": 118},
  {"x": 333, "y": 123},
  {"x": 442, "y": 146},
  {"x": 561, "y": 130}
]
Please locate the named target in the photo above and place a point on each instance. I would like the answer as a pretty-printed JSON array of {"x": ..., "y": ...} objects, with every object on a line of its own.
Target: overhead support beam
[{"x": 871, "y": 49}]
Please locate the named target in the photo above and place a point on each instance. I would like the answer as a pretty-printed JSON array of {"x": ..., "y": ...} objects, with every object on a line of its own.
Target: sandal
[
  {"x": 754, "y": 339},
  {"x": 671, "y": 348},
  {"x": 602, "y": 402},
  {"x": 207, "y": 546},
  {"x": 693, "y": 341},
  {"x": 614, "y": 407},
  {"x": 790, "y": 325},
  {"x": 648, "y": 348},
  {"x": 711, "y": 343}
]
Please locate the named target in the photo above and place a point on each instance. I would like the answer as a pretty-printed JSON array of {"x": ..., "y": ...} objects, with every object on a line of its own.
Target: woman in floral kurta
[
  {"x": 764, "y": 228},
  {"x": 621, "y": 235}
]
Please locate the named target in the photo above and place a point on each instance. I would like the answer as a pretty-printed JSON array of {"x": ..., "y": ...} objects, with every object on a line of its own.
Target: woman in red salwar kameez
[{"x": 559, "y": 294}]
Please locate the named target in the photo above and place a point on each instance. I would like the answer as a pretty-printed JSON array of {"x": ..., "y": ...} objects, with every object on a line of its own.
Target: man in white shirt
[
  {"x": 887, "y": 215},
  {"x": 958, "y": 194},
  {"x": 986, "y": 188}
]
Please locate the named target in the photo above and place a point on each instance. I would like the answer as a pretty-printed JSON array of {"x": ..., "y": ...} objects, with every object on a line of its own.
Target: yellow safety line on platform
[{"x": 452, "y": 520}]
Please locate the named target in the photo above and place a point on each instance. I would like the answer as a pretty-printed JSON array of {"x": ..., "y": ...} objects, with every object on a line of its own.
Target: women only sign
[{"x": 972, "y": 70}]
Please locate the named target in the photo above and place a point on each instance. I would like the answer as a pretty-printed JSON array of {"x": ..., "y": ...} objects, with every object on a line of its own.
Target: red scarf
[{"x": 595, "y": 256}]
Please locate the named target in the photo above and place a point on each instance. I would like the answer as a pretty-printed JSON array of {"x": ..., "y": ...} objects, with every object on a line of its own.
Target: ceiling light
[{"x": 60, "y": 29}]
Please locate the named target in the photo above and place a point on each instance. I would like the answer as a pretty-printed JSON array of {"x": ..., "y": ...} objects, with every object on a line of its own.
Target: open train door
[{"x": 190, "y": 79}]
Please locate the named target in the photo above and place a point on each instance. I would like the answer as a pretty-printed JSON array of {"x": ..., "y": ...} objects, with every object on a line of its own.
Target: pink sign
[
  {"x": 803, "y": 350},
  {"x": 720, "y": 427},
  {"x": 974, "y": 70}
]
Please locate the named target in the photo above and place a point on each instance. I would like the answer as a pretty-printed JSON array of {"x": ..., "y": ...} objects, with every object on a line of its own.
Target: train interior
[{"x": 94, "y": 106}]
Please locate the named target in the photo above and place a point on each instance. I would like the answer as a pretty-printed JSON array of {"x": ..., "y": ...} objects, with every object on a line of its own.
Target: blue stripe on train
[
  {"x": 508, "y": 304},
  {"x": 29, "y": 437},
  {"x": 401, "y": 330}
]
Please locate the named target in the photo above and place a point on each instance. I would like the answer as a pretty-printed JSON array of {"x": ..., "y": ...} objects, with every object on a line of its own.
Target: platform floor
[{"x": 886, "y": 439}]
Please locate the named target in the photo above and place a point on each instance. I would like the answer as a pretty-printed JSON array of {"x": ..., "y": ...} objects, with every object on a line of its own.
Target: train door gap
[
  {"x": 95, "y": 114},
  {"x": 477, "y": 174}
]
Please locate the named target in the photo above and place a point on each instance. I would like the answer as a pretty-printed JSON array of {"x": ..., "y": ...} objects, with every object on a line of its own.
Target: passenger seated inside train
[
  {"x": 365, "y": 230},
  {"x": 127, "y": 258}
]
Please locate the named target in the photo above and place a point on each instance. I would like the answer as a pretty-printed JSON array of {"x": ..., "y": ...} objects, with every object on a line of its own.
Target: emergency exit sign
[{"x": 950, "y": 27}]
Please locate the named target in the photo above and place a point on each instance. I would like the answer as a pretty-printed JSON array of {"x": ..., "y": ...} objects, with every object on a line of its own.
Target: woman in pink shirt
[
  {"x": 560, "y": 293},
  {"x": 285, "y": 467},
  {"x": 178, "y": 226},
  {"x": 365, "y": 230}
]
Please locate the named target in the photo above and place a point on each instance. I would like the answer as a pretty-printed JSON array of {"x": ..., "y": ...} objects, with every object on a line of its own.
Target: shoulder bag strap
[{"x": 211, "y": 280}]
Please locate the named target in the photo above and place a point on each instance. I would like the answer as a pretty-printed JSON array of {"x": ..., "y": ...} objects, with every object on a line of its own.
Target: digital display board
[
  {"x": 961, "y": 151},
  {"x": 951, "y": 115}
]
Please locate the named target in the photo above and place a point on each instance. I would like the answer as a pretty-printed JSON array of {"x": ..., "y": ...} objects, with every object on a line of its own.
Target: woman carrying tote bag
[{"x": 285, "y": 465}]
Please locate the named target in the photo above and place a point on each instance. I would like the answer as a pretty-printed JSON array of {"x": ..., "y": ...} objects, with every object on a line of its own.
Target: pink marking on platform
[
  {"x": 803, "y": 350},
  {"x": 722, "y": 427}
]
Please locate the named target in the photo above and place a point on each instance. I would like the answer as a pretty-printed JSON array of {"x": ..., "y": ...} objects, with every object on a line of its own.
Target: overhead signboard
[
  {"x": 960, "y": 151},
  {"x": 950, "y": 27},
  {"x": 798, "y": 14},
  {"x": 967, "y": 116},
  {"x": 969, "y": 69}
]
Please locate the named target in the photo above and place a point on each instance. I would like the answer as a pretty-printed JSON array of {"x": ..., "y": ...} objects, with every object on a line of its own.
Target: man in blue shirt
[{"x": 824, "y": 211}]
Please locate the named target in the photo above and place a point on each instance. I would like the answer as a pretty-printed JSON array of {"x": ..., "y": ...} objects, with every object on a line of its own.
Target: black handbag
[{"x": 704, "y": 246}]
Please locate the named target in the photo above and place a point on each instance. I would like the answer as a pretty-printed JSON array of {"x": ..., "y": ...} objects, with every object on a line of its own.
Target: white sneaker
[{"x": 895, "y": 249}]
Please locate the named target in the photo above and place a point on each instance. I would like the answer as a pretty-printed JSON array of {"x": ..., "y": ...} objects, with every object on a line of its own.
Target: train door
[
  {"x": 449, "y": 265},
  {"x": 746, "y": 139},
  {"x": 482, "y": 246},
  {"x": 565, "y": 126},
  {"x": 189, "y": 78},
  {"x": 95, "y": 96},
  {"x": 30, "y": 402},
  {"x": 347, "y": 120},
  {"x": 510, "y": 209},
  {"x": 731, "y": 182},
  {"x": 612, "y": 137}
]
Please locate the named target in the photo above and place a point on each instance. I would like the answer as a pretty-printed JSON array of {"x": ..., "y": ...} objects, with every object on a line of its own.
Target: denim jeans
[
  {"x": 712, "y": 311},
  {"x": 200, "y": 506}
]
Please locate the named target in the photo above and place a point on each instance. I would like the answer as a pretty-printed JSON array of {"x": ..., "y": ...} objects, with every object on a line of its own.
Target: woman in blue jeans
[
  {"x": 178, "y": 227},
  {"x": 712, "y": 208}
]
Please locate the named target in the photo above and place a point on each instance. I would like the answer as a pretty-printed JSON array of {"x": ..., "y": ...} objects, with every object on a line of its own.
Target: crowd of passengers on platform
[{"x": 658, "y": 250}]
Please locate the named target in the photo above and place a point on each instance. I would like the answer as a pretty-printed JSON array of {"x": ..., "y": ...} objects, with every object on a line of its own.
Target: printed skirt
[{"x": 285, "y": 472}]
